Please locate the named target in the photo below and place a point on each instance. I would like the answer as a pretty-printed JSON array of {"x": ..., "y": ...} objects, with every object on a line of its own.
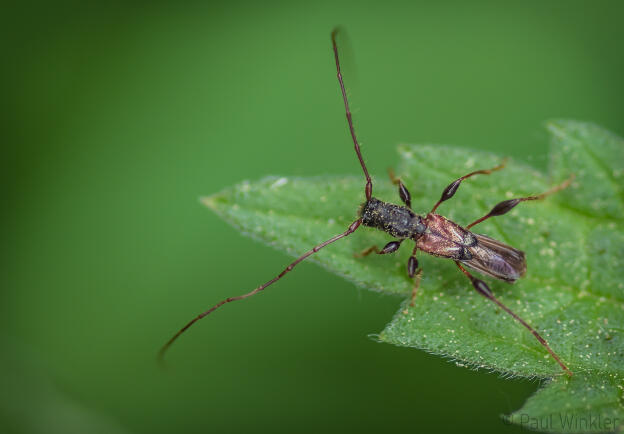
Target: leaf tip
[
  {"x": 566, "y": 127},
  {"x": 556, "y": 127},
  {"x": 211, "y": 202},
  {"x": 377, "y": 337}
]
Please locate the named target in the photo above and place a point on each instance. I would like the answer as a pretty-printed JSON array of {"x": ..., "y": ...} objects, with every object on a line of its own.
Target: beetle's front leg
[
  {"x": 391, "y": 247},
  {"x": 404, "y": 194}
]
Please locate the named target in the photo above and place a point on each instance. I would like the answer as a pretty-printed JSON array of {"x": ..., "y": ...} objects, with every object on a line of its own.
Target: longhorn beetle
[{"x": 432, "y": 234}]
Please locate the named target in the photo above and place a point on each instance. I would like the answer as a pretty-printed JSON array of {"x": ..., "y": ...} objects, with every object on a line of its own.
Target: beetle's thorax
[{"x": 398, "y": 221}]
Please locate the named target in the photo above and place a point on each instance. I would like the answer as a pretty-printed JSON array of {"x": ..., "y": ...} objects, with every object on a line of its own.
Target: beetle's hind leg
[
  {"x": 404, "y": 194},
  {"x": 391, "y": 247},
  {"x": 507, "y": 205},
  {"x": 483, "y": 289}
]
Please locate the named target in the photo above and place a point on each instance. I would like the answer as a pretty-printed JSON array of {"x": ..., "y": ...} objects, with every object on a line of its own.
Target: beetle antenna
[
  {"x": 292, "y": 265},
  {"x": 369, "y": 183}
]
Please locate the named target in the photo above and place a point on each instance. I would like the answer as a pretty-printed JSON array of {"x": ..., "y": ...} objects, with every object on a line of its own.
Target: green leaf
[
  {"x": 572, "y": 294},
  {"x": 585, "y": 403}
]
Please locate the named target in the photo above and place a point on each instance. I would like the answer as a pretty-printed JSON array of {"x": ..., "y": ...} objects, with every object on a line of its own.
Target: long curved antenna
[
  {"x": 369, "y": 184},
  {"x": 315, "y": 249}
]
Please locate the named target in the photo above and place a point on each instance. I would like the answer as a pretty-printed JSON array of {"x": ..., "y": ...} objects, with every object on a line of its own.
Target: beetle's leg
[
  {"x": 507, "y": 205},
  {"x": 414, "y": 273},
  {"x": 391, "y": 247},
  {"x": 366, "y": 252},
  {"x": 416, "y": 286},
  {"x": 403, "y": 192},
  {"x": 450, "y": 190},
  {"x": 485, "y": 291}
]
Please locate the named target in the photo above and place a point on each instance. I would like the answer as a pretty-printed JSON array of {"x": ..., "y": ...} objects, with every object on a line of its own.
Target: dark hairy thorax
[{"x": 398, "y": 221}]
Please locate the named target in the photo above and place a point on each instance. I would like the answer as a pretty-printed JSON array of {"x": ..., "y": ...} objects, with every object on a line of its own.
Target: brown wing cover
[
  {"x": 495, "y": 259},
  {"x": 445, "y": 238}
]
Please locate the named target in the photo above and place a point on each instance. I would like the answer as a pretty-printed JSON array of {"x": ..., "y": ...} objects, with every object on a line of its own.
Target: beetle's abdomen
[{"x": 398, "y": 221}]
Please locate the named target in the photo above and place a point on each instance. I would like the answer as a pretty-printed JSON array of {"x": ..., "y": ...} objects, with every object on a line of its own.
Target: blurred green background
[{"x": 119, "y": 116}]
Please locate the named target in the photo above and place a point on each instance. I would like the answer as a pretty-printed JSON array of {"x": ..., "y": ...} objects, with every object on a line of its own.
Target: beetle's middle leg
[
  {"x": 415, "y": 274},
  {"x": 391, "y": 247},
  {"x": 450, "y": 190},
  {"x": 507, "y": 205}
]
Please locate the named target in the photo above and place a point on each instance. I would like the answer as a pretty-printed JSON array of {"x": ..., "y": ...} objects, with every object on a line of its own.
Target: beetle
[{"x": 432, "y": 233}]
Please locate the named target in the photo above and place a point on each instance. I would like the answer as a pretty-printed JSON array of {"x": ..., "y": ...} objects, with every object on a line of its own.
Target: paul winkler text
[{"x": 568, "y": 422}]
